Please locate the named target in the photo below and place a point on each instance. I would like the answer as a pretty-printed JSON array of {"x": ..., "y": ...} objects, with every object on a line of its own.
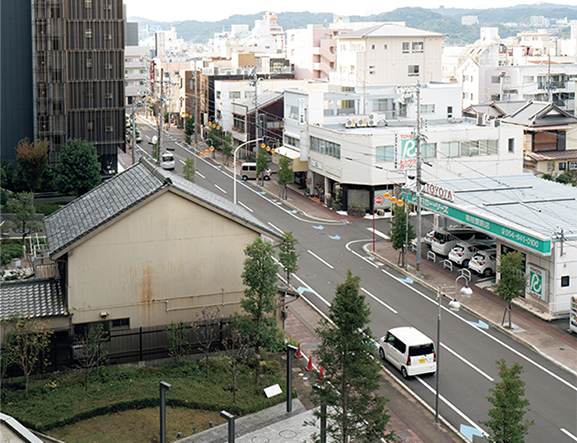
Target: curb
[{"x": 520, "y": 340}]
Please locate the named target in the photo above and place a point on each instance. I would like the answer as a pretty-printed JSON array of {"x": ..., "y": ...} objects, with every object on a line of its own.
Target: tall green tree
[
  {"x": 259, "y": 277},
  {"x": 400, "y": 237},
  {"x": 288, "y": 256},
  {"x": 23, "y": 214},
  {"x": 188, "y": 129},
  {"x": 506, "y": 423},
  {"x": 32, "y": 160},
  {"x": 227, "y": 146},
  {"x": 355, "y": 411},
  {"x": 285, "y": 176},
  {"x": 261, "y": 164},
  {"x": 79, "y": 168},
  {"x": 512, "y": 281},
  {"x": 188, "y": 171},
  {"x": 25, "y": 344}
]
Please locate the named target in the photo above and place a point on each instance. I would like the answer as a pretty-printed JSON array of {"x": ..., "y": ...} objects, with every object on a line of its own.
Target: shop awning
[{"x": 298, "y": 165}]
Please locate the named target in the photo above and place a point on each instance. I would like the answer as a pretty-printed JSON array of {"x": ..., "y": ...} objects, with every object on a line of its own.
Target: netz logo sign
[{"x": 439, "y": 191}]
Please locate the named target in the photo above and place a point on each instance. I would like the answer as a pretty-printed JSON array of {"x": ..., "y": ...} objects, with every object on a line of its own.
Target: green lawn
[{"x": 60, "y": 399}]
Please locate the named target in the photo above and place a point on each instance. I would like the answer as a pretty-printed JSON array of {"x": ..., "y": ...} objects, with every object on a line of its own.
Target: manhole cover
[
  {"x": 259, "y": 439},
  {"x": 287, "y": 433}
]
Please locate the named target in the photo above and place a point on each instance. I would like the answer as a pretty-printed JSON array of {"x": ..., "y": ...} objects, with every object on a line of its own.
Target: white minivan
[
  {"x": 167, "y": 161},
  {"x": 409, "y": 350},
  {"x": 248, "y": 172}
]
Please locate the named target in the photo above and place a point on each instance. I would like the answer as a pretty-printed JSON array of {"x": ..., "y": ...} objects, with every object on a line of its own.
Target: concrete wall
[{"x": 160, "y": 263}]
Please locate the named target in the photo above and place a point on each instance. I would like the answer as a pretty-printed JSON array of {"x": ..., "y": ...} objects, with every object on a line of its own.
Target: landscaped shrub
[{"x": 356, "y": 211}]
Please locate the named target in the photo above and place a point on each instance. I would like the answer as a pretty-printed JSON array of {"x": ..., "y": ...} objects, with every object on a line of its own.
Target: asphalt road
[{"x": 468, "y": 351}]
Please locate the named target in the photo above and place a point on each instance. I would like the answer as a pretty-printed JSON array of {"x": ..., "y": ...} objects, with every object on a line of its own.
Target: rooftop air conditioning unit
[
  {"x": 372, "y": 120},
  {"x": 350, "y": 123},
  {"x": 361, "y": 122}
]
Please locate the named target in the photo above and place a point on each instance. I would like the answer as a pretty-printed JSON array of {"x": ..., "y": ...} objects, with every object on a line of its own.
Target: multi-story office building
[{"x": 78, "y": 72}]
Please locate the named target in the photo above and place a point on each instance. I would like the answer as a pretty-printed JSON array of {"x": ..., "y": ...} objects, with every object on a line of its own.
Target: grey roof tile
[
  {"x": 120, "y": 193},
  {"x": 34, "y": 297}
]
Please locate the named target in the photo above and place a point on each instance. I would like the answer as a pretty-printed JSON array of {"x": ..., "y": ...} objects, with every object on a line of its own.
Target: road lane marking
[
  {"x": 279, "y": 230},
  {"x": 320, "y": 259},
  {"x": 495, "y": 339},
  {"x": 321, "y": 298},
  {"x": 198, "y": 173},
  {"x": 359, "y": 255},
  {"x": 567, "y": 433},
  {"x": 245, "y": 206},
  {"x": 471, "y": 365},
  {"x": 219, "y": 188},
  {"x": 453, "y": 407},
  {"x": 379, "y": 301},
  {"x": 379, "y": 233}
]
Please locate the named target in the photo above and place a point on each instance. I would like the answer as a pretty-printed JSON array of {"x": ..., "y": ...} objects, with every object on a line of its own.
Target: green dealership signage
[{"x": 512, "y": 235}]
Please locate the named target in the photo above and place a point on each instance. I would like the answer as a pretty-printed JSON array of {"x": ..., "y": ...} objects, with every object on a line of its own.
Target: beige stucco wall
[{"x": 158, "y": 264}]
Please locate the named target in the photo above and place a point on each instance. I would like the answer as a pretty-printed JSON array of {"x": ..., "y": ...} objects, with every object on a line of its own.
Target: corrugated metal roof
[
  {"x": 122, "y": 192},
  {"x": 524, "y": 201},
  {"x": 34, "y": 297},
  {"x": 389, "y": 30}
]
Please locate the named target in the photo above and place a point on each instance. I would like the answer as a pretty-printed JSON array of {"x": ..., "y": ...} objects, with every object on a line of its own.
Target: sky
[{"x": 180, "y": 10}]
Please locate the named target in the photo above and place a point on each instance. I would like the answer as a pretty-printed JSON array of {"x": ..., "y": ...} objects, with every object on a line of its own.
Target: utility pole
[
  {"x": 419, "y": 167},
  {"x": 256, "y": 122},
  {"x": 195, "y": 106},
  {"x": 160, "y": 116},
  {"x": 133, "y": 132},
  {"x": 549, "y": 85}
]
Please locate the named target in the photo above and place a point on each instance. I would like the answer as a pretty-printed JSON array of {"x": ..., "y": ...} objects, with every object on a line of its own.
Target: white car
[
  {"x": 167, "y": 161},
  {"x": 463, "y": 252},
  {"x": 484, "y": 262},
  {"x": 409, "y": 350}
]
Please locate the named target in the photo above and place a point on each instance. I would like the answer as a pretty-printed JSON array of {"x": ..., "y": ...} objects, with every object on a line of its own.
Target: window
[
  {"x": 495, "y": 79},
  {"x": 572, "y": 166},
  {"x": 88, "y": 33},
  {"x": 562, "y": 166},
  {"x": 428, "y": 150},
  {"x": 90, "y": 126},
  {"x": 417, "y": 46},
  {"x": 449, "y": 112},
  {"x": 371, "y": 70},
  {"x": 120, "y": 323},
  {"x": 380, "y": 104},
  {"x": 385, "y": 153},
  {"x": 238, "y": 123},
  {"x": 528, "y": 79},
  {"x": 402, "y": 109},
  {"x": 218, "y": 95},
  {"x": 427, "y": 109},
  {"x": 248, "y": 94},
  {"x": 564, "y": 281},
  {"x": 413, "y": 70},
  {"x": 406, "y": 47},
  {"x": 385, "y": 47},
  {"x": 234, "y": 94},
  {"x": 511, "y": 145},
  {"x": 325, "y": 147},
  {"x": 89, "y": 63},
  {"x": 449, "y": 149},
  {"x": 292, "y": 141},
  {"x": 373, "y": 47}
]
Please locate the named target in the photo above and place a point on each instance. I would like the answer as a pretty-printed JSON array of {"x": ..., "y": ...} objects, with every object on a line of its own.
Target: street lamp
[
  {"x": 234, "y": 161},
  {"x": 230, "y": 418},
  {"x": 290, "y": 351},
  {"x": 163, "y": 388},
  {"x": 454, "y": 306}
]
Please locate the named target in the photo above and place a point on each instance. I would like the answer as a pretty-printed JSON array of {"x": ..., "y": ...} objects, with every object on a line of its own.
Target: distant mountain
[{"x": 446, "y": 21}]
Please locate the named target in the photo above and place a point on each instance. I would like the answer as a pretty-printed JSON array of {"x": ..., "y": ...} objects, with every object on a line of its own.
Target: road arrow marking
[
  {"x": 336, "y": 237},
  {"x": 302, "y": 289},
  {"x": 480, "y": 324},
  {"x": 261, "y": 193},
  {"x": 469, "y": 432},
  {"x": 406, "y": 280},
  {"x": 320, "y": 227},
  {"x": 294, "y": 211}
]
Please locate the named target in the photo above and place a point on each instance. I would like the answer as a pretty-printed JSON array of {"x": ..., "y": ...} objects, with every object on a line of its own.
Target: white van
[
  {"x": 167, "y": 161},
  {"x": 248, "y": 172},
  {"x": 409, "y": 350}
]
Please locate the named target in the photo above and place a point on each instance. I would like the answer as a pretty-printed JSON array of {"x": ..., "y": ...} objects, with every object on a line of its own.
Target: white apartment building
[
  {"x": 352, "y": 140},
  {"x": 388, "y": 54},
  {"x": 136, "y": 72}
]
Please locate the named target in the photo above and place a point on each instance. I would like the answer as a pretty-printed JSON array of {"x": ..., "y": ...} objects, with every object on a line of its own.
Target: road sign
[{"x": 379, "y": 199}]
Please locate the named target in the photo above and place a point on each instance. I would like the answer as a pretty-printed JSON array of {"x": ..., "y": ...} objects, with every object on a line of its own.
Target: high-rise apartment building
[{"x": 78, "y": 75}]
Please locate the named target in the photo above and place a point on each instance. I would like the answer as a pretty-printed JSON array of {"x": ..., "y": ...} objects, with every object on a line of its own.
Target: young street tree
[
  {"x": 207, "y": 326},
  {"x": 512, "y": 283},
  {"x": 188, "y": 171},
  {"x": 355, "y": 412},
  {"x": 188, "y": 129},
  {"x": 237, "y": 347},
  {"x": 32, "y": 161},
  {"x": 399, "y": 235},
  {"x": 24, "y": 344},
  {"x": 178, "y": 345},
  {"x": 261, "y": 164},
  {"x": 79, "y": 168},
  {"x": 506, "y": 422},
  {"x": 285, "y": 176},
  {"x": 227, "y": 146},
  {"x": 92, "y": 350},
  {"x": 259, "y": 277},
  {"x": 23, "y": 214},
  {"x": 288, "y": 256}
]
